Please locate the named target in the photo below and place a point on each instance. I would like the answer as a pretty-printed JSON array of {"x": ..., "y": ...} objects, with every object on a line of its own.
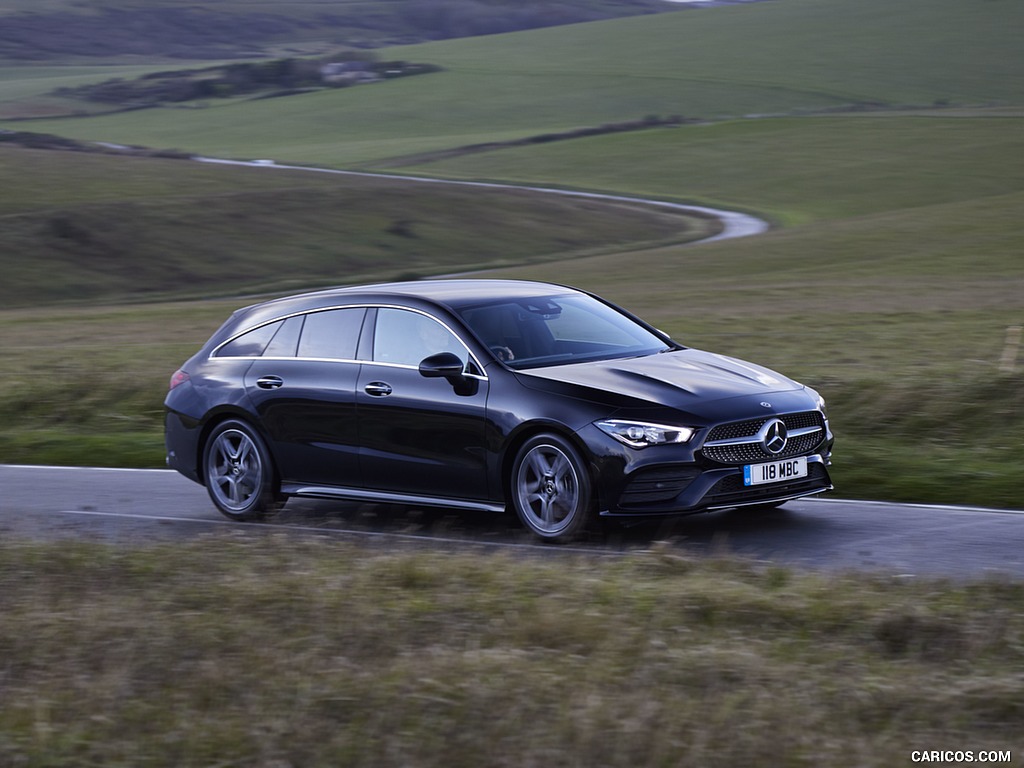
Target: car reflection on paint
[{"x": 489, "y": 395}]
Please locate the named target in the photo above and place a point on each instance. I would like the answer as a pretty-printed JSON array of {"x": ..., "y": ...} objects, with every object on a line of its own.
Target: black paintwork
[{"x": 359, "y": 428}]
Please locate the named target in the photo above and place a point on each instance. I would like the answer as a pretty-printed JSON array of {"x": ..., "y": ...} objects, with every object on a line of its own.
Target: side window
[
  {"x": 286, "y": 339},
  {"x": 252, "y": 343},
  {"x": 405, "y": 338},
  {"x": 332, "y": 334}
]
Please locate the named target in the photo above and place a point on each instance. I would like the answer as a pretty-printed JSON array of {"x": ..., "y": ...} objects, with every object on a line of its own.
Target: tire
[
  {"x": 238, "y": 472},
  {"x": 551, "y": 489}
]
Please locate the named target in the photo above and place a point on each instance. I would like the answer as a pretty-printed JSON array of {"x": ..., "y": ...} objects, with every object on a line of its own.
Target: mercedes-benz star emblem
[{"x": 774, "y": 436}]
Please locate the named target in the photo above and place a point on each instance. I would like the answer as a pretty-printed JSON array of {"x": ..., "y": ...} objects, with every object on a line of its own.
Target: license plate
[{"x": 775, "y": 471}]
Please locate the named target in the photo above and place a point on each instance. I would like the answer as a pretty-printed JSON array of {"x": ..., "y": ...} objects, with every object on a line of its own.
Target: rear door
[{"x": 304, "y": 391}]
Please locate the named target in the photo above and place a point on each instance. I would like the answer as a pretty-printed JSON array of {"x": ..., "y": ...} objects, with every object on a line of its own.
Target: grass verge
[{"x": 277, "y": 651}]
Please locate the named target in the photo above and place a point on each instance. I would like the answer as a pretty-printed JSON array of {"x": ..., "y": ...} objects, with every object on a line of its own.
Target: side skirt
[{"x": 361, "y": 494}]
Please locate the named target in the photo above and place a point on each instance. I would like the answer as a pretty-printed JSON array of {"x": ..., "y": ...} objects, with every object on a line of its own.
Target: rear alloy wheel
[
  {"x": 238, "y": 472},
  {"x": 551, "y": 488}
]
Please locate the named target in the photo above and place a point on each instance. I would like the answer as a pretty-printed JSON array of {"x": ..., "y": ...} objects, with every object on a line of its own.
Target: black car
[{"x": 488, "y": 395}]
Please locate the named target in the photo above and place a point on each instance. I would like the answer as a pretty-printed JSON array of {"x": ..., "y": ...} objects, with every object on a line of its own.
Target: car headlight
[
  {"x": 640, "y": 434},
  {"x": 822, "y": 408}
]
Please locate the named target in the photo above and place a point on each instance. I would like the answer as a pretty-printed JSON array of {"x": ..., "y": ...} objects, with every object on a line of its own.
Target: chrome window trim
[
  {"x": 405, "y": 366},
  {"x": 213, "y": 353},
  {"x": 213, "y": 356},
  {"x": 291, "y": 359}
]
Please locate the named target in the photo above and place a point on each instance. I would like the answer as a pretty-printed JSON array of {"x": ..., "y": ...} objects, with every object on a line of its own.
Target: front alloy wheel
[
  {"x": 239, "y": 475},
  {"x": 551, "y": 488}
]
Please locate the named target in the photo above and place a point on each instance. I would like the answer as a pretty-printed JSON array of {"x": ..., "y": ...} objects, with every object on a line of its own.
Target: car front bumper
[
  {"x": 674, "y": 480},
  {"x": 689, "y": 489}
]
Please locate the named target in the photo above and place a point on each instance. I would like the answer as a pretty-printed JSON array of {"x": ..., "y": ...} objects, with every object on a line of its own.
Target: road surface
[
  {"x": 131, "y": 506},
  {"x": 734, "y": 223}
]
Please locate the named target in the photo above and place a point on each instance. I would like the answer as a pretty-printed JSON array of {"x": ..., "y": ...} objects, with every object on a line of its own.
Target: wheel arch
[
  {"x": 217, "y": 417},
  {"x": 532, "y": 429}
]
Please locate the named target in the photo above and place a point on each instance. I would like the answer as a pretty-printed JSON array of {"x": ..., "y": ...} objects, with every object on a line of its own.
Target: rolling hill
[
  {"x": 781, "y": 58},
  {"x": 883, "y": 140}
]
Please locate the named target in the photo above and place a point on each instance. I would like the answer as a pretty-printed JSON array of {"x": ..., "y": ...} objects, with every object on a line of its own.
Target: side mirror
[
  {"x": 443, "y": 365},
  {"x": 447, "y": 365}
]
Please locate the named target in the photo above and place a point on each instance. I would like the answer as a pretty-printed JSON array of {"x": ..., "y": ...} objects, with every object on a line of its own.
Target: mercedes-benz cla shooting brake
[{"x": 487, "y": 395}]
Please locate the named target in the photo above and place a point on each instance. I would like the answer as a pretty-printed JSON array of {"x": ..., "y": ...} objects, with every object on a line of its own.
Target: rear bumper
[{"x": 181, "y": 438}]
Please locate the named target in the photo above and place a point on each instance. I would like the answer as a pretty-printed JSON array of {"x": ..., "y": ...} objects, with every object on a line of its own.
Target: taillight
[{"x": 179, "y": 377}]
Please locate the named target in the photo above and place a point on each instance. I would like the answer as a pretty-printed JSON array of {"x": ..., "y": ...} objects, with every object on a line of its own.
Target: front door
[{"x": 417, "y": 435}]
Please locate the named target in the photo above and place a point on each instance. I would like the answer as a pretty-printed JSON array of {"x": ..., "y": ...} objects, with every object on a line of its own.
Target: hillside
[
  {"x": 102, "y": 30},
  {"x": 116, "y": 228},
  {"x": 795, "y": 57}
]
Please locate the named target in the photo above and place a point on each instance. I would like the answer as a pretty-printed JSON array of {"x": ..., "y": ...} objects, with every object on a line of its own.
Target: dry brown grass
[{"x": 284, "y": 652}]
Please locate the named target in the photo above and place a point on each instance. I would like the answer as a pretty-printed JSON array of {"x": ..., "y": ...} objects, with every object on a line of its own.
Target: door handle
[
  {"x": 269, "y": 382},
  {"x": 378, "y": 389}
]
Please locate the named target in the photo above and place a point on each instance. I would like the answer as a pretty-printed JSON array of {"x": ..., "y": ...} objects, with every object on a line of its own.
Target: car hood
[{"x": 682, "y": 379}]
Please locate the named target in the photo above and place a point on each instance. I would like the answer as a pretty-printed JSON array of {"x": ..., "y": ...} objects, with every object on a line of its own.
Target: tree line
[{"x": 276, "y": 77}]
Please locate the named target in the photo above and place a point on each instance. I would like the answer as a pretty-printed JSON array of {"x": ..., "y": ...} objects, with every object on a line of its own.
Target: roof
[
  {"x": 446, "y": 292},
  {"x": 456, "y": 290}
]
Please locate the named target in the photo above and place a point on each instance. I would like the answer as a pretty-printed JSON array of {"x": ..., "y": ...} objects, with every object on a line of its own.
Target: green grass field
[
  {"x": 792, "y": 170},
  {"x": 761, "y": 58}
]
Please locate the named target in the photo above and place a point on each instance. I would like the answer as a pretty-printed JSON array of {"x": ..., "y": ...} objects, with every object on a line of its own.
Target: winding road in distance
[
  {"x": 136, "y": 506},
  {"x": 735, "y": 224}
]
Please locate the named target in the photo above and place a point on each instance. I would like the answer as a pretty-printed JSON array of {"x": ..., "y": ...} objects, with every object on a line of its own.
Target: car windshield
[{"x": 553, "y": 330}]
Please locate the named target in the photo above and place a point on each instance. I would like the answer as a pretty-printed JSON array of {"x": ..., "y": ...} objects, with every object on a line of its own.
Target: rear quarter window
[{"x": 251, "y": 343}]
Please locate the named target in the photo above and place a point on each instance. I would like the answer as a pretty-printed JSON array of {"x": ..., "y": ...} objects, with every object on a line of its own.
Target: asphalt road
[
  {"x": 133, "y": 506},
  {"x": 734, "y": 223}
]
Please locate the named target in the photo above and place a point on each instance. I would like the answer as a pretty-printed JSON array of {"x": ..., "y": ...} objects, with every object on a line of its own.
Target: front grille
[
  {"x": 754, "y": 450},
  {"x": 730, "y": 490},
  {"x": 657, "y": 485}
]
